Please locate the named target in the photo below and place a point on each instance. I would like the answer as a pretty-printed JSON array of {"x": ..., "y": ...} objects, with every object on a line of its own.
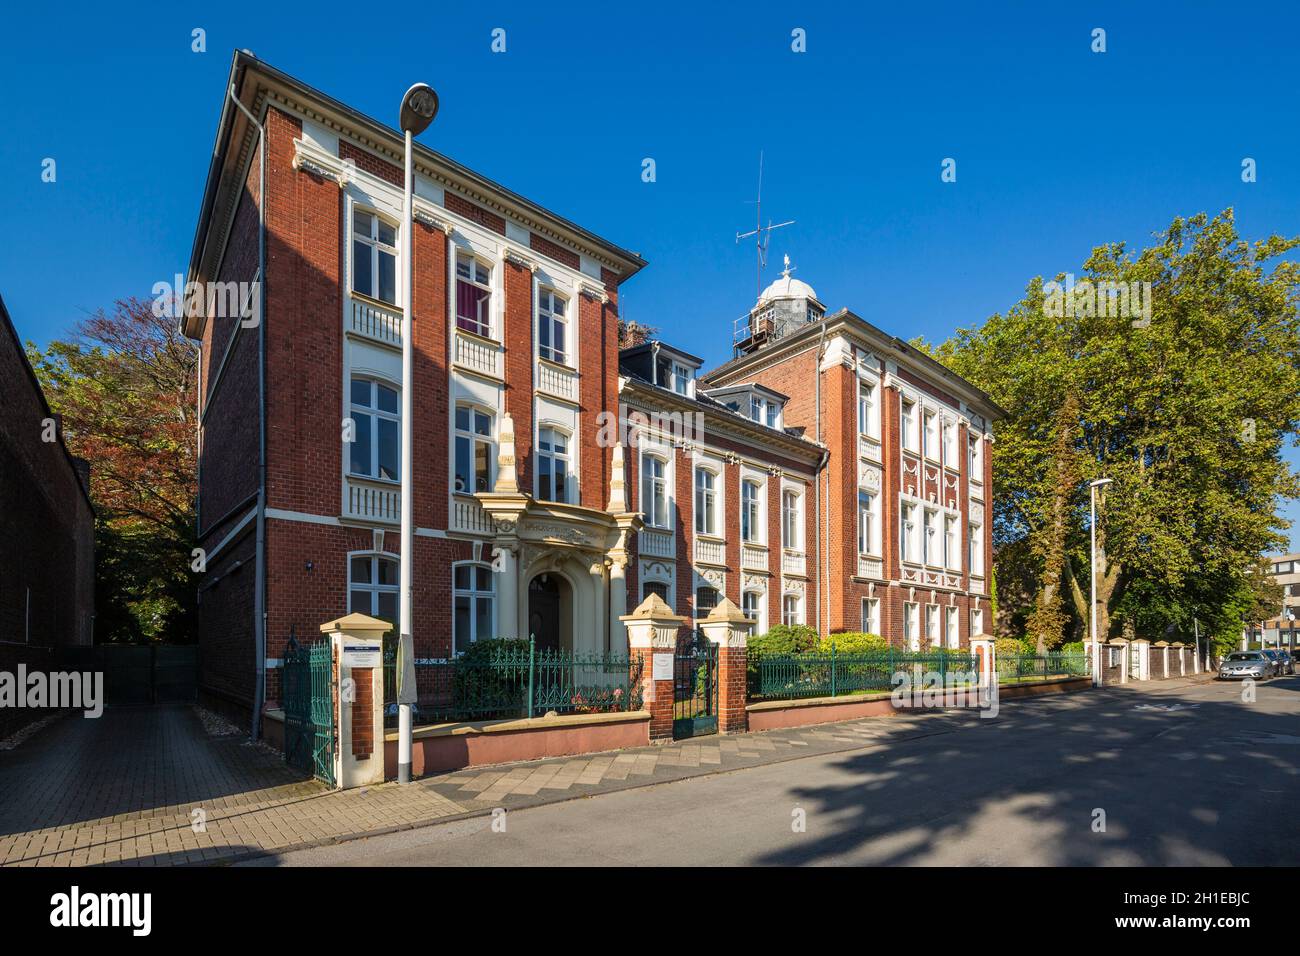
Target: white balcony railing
[
  {"x": 476, "y": 354},
  {"x": 468, "y": 515},
  {"x": 710, "y": 552},
  {"x": 376, "y": 322},
  {"x": 869, "y": 567},
  {"x": 753, "y": 557},
  {"x": 868, "y": 448},
  {"x": 371, "y": 501},
  {"x": 794, "y": 562},
  {"x": 558, "y": 380},
  {"x": 656, "y": 544}
]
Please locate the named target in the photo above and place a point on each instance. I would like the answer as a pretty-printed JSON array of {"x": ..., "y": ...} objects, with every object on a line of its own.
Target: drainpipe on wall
[
  {"x": 259, "y": 594},
  {"x": 823, "y": 576}
]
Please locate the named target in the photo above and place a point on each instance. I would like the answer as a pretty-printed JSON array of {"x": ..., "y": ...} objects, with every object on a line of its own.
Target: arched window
[
  {"x": 376, "y": 438},
  {"x": 475, "y": 449},
  {"x": 554, "y": 466},
  {"x": 791, "y": 609},
  {"x": 374, "y": 256},
  {"x": 751, "y": 603},
  {"x": 373, "y": 586},
  {"x": 473, "y": 604}
]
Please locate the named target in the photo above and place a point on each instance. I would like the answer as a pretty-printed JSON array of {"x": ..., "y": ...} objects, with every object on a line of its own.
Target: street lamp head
[
  {"x": 1100, "y": 481},
  {"x": 419, "y": 107}
]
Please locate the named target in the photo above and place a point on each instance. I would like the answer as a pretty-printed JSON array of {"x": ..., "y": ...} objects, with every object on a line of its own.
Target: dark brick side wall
[{"x": 46, "y": 522}]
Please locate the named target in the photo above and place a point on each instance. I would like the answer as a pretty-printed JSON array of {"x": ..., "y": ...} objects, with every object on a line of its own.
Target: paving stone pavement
[{"x": 124, "y": 788}]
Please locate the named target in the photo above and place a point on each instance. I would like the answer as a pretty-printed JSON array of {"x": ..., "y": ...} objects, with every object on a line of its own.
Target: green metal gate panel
[
  {"x": 695, "y": 687},
  {"x": 308, "y": 689}
]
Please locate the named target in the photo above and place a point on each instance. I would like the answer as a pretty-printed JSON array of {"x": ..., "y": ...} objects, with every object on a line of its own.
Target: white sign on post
[
  {"x": 362, "y": 655},
  {"x": 662, "y": 668}
]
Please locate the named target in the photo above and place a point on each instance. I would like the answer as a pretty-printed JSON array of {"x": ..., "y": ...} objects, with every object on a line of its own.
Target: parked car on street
[
  {"x": 1282, "y": 661},
  {"x": 1242, "y": 664}
]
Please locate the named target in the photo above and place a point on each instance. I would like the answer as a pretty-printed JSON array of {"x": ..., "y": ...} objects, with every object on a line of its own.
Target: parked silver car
[{"x": 1242, "y": 664}]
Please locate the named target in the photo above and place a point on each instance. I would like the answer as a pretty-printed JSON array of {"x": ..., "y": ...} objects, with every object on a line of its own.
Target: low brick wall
[
  {"x": 1061, "y": 686},
  {"x": 776, "y": 714},
  {"x": 453, "y": 746}
]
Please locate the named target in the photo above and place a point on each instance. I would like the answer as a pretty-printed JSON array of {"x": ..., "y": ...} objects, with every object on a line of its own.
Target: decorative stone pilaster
[
  {"x": 728, "y": 628},
  {"x": 652, "y": 639}
]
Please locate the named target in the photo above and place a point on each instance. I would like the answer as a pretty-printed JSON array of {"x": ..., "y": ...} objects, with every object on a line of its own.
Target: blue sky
[{"x": 1058, "y": 149}]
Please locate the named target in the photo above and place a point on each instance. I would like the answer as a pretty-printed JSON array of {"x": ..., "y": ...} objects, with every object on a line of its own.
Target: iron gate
[
  {"x": 308, "y": 684},
  {"x": 695, "y": 686}
]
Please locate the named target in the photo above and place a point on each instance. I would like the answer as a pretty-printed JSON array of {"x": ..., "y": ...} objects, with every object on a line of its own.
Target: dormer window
[{"x": 674, "y": 375}]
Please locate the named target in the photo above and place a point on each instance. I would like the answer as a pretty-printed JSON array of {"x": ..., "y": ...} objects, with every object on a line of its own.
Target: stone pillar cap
[
  {"x": 356, "y": 622},
  {"x": 1117, "y": 640},
  {"x": 1162, "y": 644},
  {"x": 652, "y": 608},
  {"x": 726, "y": 611}
]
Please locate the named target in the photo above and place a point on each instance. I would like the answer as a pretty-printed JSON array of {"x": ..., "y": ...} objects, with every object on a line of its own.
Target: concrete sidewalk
[{"x": 133, "y": 786}]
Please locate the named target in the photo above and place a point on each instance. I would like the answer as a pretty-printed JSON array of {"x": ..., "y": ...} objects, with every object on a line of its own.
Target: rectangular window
[
  {"x": 681, "y": 379},
  {"x": 554, "y": 466},
  {"x": 654, "y": 491},
  {"x": 792, "y": 521},
  {"x": 907, "y": 537},
  {"x": 791, "y": 609},
  {"x": 951, "y": 552},
  {"x": 866, "y": 523},
  {"x": 551, "y": 327},
  {"x": 931, "y": 435},
  {"x": 475, "y": 450},
  {"x": 751, "y": 605},
  {"x": 705, "y": 502},
  {"x": 655, "y": 587},
  {"x": 974, "y": 460},
  {"x": 376, "y": 434},
  {"x": 932, "y": 624},
  {"x": 374, "y": 256},
  {"x": 911, "y": 626},
  {"x": 976, "y": 622},
  {"x": 907, "y": 423},
  {"x": 950, "y": 444},
  {"x": 751, "y": 513},
  {"x": 871, "y": 615},
  {"x": 976, "y": 550},
  {"x": 930, "y": 547},
  {"x": 473, "y": 605},
  {"x": 473, "y": 295},
  {"x": 951, "y": 636},
  {"x": 868, "y": 423},
  {"x": 373, "y": 587}
]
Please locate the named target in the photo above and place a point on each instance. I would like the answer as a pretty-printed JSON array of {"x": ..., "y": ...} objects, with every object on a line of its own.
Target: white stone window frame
[
  {"x": 933, "y": 636},
  {"x": 547, "y": 317},
  {"x": 664, "y": 454},
  {"x": 474, "y": 404},
  {"x": 800, "y": 491},
  {"x": 912, "y": 625},
  {"x": 657, "y": 571},
  {"x": 951, "y": 543},
  {"x": 373, "y": 587},
  {"x": 572, "y": 489},
  {"x": 872, "y": 384},
  {"x": 909, "y": 431},
  {"x": 473, "y": 593},
  {"x": 374, "y": 202},
  {"x": 798, "y": 617},
  {"x": 951, "y": 627},
  {"x": 714, "y": 467},
  {"x": 759, "y": 478},
  {"x": 870, "y": 618},
  {"x": 476, "y": 253},
  {"x": 873, "y": 542},
  {"x": 373, "y": 411}
]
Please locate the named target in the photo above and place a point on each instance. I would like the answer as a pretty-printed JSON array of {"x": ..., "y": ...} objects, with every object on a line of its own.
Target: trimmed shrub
[
  {"x": 853, "y": 642},
  {"x": 1074, "y": 647},
  {"x": 784, "y": 639},
  {"x": 1008, "y": 647}
]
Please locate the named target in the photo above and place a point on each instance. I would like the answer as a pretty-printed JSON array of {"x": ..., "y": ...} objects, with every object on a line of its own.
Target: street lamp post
[
  {"x": 419, "y": 107},
  {"x": 1092, "y": 583}
]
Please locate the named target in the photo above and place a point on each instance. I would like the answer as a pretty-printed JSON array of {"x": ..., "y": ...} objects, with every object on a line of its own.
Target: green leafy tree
[
  {"x": 1187, "y": 409},
  {"x": 125, "y": 386}
]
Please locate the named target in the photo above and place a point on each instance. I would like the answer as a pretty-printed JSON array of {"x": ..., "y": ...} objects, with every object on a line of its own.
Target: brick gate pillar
[
  {"x": 358, "y": 642},
  {"x": 652, "y": 639},
  {"x": 982, "y": 648},
  {"x": 728, "y": 629}
]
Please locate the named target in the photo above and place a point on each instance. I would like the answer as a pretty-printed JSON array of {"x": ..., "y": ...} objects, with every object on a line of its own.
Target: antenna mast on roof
[{"x": 761, "y": 233}]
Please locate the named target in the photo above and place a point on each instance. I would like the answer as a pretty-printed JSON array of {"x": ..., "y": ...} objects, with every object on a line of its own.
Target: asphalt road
[{"x": 1188, "y": 775}]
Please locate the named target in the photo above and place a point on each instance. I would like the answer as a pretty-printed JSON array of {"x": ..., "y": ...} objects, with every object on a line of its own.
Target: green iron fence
[
  {"x": 1012, "y": 668},
  {"x": 516, "y": 681},
  {"x": 307, "y": 690},
  {"x": 791, "y": 676}
]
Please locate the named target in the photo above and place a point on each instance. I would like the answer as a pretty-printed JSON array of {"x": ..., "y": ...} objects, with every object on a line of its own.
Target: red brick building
[
  {"x": 535, "y": 511},
  {"x": 47, "y": 532}
]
